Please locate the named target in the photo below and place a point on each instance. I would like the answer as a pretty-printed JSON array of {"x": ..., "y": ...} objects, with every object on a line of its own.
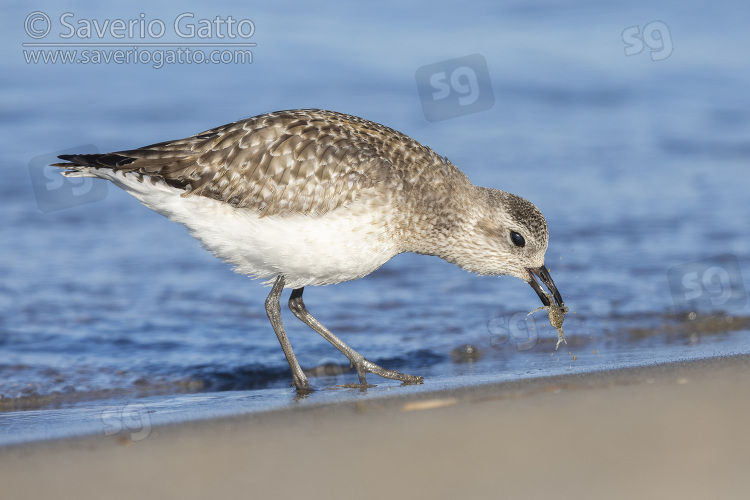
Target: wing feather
[{"x": 301, "y": 161}]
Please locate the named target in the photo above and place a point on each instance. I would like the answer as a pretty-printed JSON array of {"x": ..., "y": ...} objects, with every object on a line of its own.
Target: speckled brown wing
[{"x": 300, "y": 161}]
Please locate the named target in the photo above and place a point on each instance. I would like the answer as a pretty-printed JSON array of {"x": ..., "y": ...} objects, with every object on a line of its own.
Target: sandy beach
[{"x": 669, "y": 431}]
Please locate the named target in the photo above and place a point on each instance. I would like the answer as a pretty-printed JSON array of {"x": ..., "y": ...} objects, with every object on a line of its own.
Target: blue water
[{"x": 639, "y": 163}]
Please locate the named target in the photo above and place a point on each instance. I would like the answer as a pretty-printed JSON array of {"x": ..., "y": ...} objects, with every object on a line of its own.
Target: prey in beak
[
  {"x": 558, "y": 310},
  {"x": 544, "y": 277}
]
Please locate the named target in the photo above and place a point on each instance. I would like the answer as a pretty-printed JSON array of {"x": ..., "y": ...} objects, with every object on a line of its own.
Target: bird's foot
[
  {"x": 364, "y": 366},
  {"x": 302, "y": 385}
]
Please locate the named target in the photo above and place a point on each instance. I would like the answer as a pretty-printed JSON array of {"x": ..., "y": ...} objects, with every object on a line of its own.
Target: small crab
[{"x": 556, "y": 317}]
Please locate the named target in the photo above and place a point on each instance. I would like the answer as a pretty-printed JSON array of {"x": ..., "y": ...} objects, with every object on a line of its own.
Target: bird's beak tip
[{"x": 546, "y": 279}]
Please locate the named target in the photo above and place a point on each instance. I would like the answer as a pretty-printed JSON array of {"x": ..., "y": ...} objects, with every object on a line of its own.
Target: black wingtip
[
  {"x": 79, "y": 160},
  {"x": 73, "y": 161},
  {"x": 106, "y": 160}
]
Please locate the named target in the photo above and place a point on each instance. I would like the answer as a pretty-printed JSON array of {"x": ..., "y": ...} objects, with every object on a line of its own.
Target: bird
[{"x": 309, "y": 197}]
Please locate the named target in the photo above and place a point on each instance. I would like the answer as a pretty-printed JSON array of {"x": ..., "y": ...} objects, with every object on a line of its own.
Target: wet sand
[{"x": 672, "y": 431}]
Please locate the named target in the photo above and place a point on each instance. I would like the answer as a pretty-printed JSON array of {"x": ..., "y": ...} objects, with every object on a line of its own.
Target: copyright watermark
[
  {"x": 184, "y": 39},
  {"x": 455, "y": 87},
  {"x": 714, "y": 283},
  {"x": 519, "y": 329},
  {"x": 655, "y": 36},
  {"x": 53, "y": 191},
  {"x": 131, "y": 421}
]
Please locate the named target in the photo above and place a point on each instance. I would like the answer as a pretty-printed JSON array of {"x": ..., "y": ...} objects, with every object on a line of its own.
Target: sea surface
[{"x": 626, "y": 123}]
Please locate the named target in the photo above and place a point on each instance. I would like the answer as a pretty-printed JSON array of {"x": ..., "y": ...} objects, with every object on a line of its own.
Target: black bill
[{"x": 545, "y": 278}]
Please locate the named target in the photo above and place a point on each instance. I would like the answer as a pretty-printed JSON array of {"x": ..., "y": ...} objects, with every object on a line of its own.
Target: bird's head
[{"x": 508, "y": 235}]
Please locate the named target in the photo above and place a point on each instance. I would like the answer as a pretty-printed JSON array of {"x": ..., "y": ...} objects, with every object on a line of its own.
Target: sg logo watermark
[
  {"x": 655, "y": 36},
  {"x": 329, "y": 367},
  {"x": 455, "y": 87},
  {"x": 519, "y": 328},
  {"x": 131, "y": 420},
  {"x": 53, "y": 191},
  {"x": 713, "y": 283}
]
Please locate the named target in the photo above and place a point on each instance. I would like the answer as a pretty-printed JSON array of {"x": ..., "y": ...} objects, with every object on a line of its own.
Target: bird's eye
[{"x": 517, "y": 239}]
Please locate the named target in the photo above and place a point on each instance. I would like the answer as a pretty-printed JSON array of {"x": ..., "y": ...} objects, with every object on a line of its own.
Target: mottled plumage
[
  {"x": 312, "y": 197},
  {"x": 301, "y": 161}
]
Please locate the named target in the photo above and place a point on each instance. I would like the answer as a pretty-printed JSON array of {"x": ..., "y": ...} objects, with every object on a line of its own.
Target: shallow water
[{"x": 640, "y": 167}]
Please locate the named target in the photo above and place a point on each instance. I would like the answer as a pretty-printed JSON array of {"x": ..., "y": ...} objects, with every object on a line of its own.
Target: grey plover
[{"x": 313, "y": 197}]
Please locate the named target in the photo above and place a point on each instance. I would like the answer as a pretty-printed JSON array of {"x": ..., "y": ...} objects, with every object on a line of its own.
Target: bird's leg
[
  {"x": 273, "y": 309},
  {"x": 357, "y": 360}
]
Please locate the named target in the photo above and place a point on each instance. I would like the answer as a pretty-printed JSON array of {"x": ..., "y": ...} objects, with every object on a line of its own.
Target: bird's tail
[{"x": 87, "y": 165}]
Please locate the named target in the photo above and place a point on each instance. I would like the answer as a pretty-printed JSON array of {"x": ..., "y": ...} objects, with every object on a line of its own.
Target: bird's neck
[{"x": 439, "y": 225}]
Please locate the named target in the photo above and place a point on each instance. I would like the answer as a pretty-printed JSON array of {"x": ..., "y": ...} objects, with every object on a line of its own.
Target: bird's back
[{"x": 299, "y": 161}]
